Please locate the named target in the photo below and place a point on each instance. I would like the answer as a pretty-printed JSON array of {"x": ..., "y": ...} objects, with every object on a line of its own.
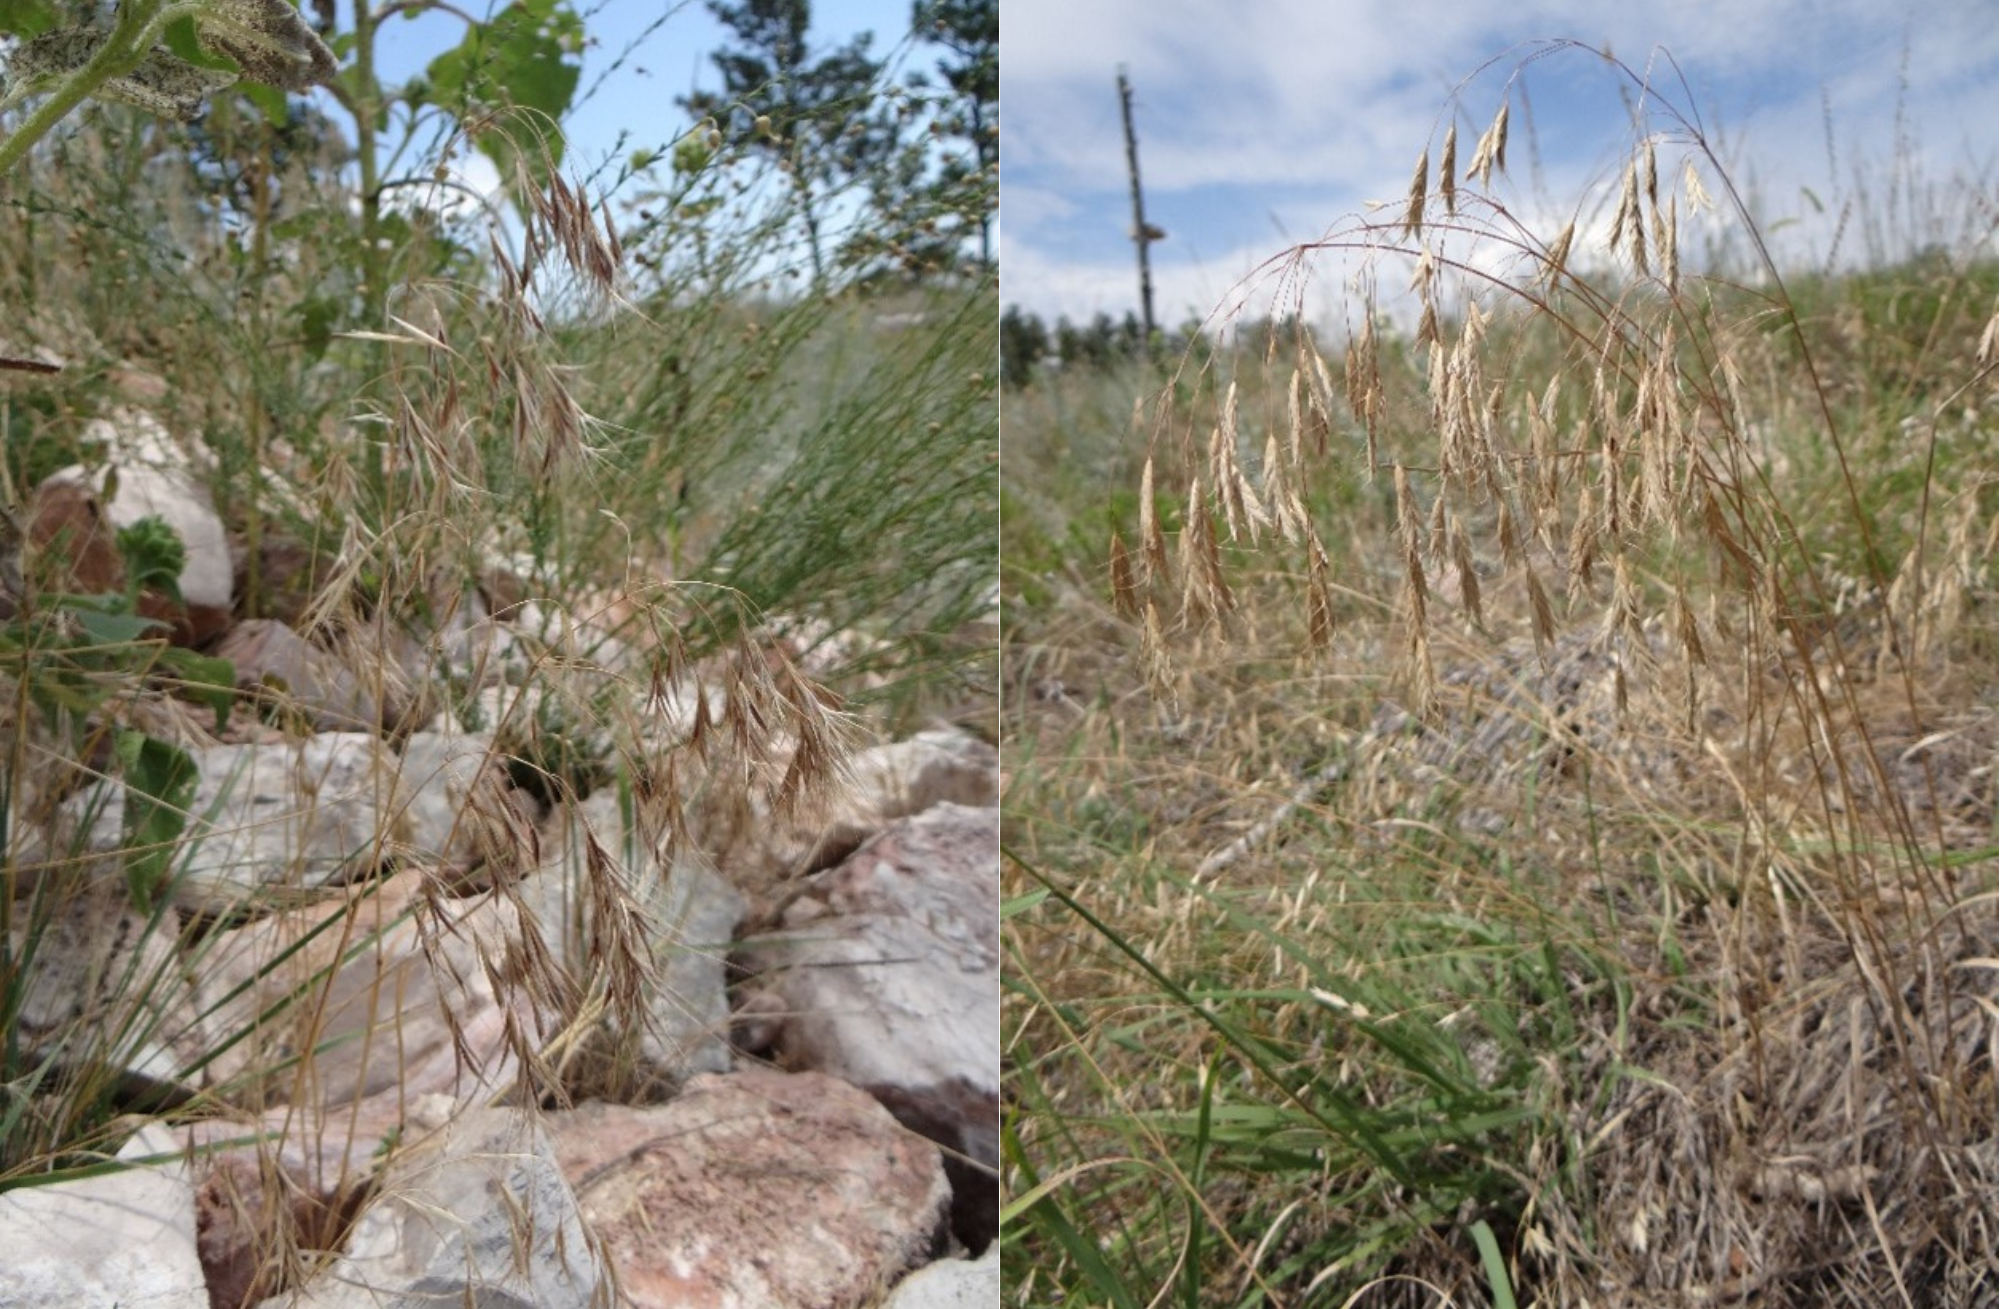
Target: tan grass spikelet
[
  {"x": 1496, "y": 465},
  {"x": 1697, "y": 194},
  {"x": 1223, "y": 473},
  {"x": 1427, "y": 325},
  {"x": 1363, "y": 378},
  {"x": 1153, "y": 652},
  {"x": 1319, "y": 593},
  {"x": 1625, "y": 219},
  {"x": 1448, "y": 171},
  {"x": 1541, "y": 615},
  {"x": 1687, "y": 629},
  {"x": 1295, "y": 422},
  {"x": 1738, "y": 567},
  {"x": 1423, "y": 272},
  {"x": 1242, "y": 510},
  {"x": 1205, "y": 594},
  {"x": 1423, "y": 672},
  {"x": 1152, "y": 541},
  {"x": 1557, "y": 260},
  {"x": 1416, "y": 589},
  {"x": 1468, "y": 574},
  {"x": 1647, "y": 495},
  {"x": 1586, "y": 532},
  {"x": 1545, "y": 483},
  {"x": 825, "y": 739},
  {"x": 1413, "y": 210},
  {"x": 1447, "y": 414},
  {"x": 1439, "y": 378},
  {"x": 1624, "y": 616},
  {"x": 1490, "y": 151},
  {"x": 1319, "y": 385},
  {"x": 1507, "y": 533},
  {"x": 1437, "y": 542},
  {"x": 1125, "y": 587},
  {"x": 1356, "y": 370},
  {"x": 1285, "y": 508},
  {"x": 1668, "y": 242}
]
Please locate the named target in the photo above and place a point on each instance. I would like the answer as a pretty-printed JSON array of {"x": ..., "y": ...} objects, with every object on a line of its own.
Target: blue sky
[
  {"x": 1264, "y": 124},
  {"x": 643, "y": 54}
]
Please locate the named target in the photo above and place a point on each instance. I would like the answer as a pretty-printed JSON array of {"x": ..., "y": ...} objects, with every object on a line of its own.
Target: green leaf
[
  {"x": 269, "y": 101},
  {"x": 154, "y": 556},
  {"x": 105, "y": 627},
  {"x": 28, "y": 17},
  {"x": 208, "y": 679},
  {"x": 318, "y": 316},
  {"x": 183, "y": 37},
  {"x": 1495, "y": 1264},
  {"x": 524, "y": 59},
  {"x": 160, "y": 781},
  {"x": 1020, "y": 904}
]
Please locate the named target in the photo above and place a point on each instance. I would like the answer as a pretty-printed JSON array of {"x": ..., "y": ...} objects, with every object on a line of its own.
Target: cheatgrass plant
[
  {"x": 651, "y": 448},
  {"x": 1511, "y": 820}
]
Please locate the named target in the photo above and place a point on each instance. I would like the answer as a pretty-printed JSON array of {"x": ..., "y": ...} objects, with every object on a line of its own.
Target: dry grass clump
[{"x": 1543, "y": 851}]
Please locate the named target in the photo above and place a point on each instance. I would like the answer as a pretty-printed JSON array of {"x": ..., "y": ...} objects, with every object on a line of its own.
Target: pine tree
[
  {"x": 815, "y": 113},
  {"x": 969, "y": 31}
]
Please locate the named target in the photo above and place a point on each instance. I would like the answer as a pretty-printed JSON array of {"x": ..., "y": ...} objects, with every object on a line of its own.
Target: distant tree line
[{"x": 1027, "y": 341}]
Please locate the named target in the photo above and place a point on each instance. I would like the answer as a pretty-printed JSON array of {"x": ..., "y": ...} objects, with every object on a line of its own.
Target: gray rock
[
  {"x": 283, "y": 817},
  {"x": 459, "y": 811},
  {"x": 48, "y": 835},
  {"x": 689, "y": 918},
  {"x": 119, "y": 1240},
  {"x": 324, "y": 687},
  {"x": 884, "y": 783},
  {"x": 102, "y": 990},
  {"x": 887, "y": 974},
  {"x": 478, "y": 1213},
  {"x": 951, "y": 1284},
  {"x": 889, "y": 964},
  {"x": 393, "y": 988},
  {"x": 157, "y": 477}
]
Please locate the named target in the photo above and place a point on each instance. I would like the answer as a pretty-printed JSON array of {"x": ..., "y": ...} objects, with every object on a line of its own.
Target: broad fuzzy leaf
[
  {"x": 164, "y": 84},
  {"x": 269, "y": 42}
]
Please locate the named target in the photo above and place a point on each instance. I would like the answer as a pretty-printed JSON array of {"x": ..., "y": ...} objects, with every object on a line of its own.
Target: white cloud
[{"x": 1267, "y": 122}]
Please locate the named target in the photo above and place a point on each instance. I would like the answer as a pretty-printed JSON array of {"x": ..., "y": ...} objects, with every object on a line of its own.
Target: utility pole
[{"x": 1143, "y": 232}]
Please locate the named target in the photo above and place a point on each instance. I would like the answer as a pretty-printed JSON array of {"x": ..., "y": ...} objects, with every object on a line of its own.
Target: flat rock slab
[
  {"x": 392, "y": 987},
  {"x": 283, "y": 817},
  {"x": 122, "y": 1239},
  {"x": 755, "y": 1190}
]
